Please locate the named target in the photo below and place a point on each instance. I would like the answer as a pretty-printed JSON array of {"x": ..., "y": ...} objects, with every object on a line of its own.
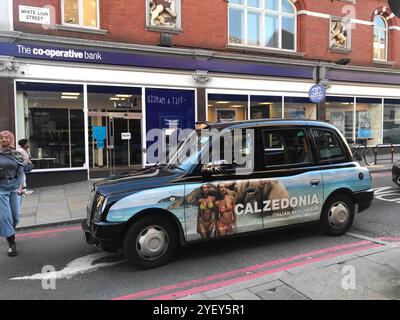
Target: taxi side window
[
  {"x": 242, "y": 140},
  {"x": 328, "y": 144},
  {"x": 285, "y": 147}
]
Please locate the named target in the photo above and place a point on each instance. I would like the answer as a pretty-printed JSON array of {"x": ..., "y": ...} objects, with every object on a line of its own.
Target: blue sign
[
  {"x": 100, "y": 144},
  {"x": 35, "y": 51},
  {"x": 317, "y": 93},
  {"x": 169, "y": 107},
  {"x": 99, "y": 132}
]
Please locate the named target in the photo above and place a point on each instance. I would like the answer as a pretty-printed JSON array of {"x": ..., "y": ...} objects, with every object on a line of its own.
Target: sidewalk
[
  {"x": 54, "y": 205},
  {"x": 376, "y": 276}
]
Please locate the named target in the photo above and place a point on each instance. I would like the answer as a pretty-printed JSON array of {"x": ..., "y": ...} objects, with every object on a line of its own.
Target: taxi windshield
[{"x": 188, "y": 151}]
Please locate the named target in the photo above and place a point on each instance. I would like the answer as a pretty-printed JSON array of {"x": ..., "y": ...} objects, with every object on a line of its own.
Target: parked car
[
  {"x": 396, "y": 173},
  {"x": 302, "y": 172}
]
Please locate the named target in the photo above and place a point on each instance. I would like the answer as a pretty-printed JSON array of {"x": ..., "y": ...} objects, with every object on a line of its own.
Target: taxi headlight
[{"x": 100, "y": 205}]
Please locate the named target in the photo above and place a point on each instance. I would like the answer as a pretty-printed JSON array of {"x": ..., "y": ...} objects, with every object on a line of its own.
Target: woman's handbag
[{"x": 28, "y": 167}]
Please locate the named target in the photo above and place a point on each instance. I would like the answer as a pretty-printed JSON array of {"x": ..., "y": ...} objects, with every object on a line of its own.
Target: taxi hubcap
[
  {"x": 152, "y": 243},
  {"x": 338, "y": 215}
]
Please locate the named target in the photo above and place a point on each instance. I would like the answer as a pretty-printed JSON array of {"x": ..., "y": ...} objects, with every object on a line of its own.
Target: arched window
[
  {"x": 263, "y": 23},
  {"x": 380, "y": 38}
]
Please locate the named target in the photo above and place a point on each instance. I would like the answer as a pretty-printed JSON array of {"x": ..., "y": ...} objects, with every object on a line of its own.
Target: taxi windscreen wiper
[{"x": 174, "y": 166}]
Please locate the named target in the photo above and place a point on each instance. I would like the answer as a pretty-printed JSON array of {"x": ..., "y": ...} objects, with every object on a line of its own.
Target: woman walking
[{"x": 11, "y": 185}]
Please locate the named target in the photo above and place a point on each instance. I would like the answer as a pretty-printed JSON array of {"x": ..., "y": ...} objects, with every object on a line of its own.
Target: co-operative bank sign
[
  {"x": 113, "y": 57},
  {"x": 58, "y": 53}
]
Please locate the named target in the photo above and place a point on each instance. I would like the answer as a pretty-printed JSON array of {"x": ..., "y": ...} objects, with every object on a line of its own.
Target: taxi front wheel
[
  {"x": 150, "y": 242},
  {"x": 337, "y": 215}
]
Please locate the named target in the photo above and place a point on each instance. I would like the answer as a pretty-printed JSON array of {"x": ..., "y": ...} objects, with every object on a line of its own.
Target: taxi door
[
  {"x": 222, "y": 196},
  {"x": 292, "y": 187}
]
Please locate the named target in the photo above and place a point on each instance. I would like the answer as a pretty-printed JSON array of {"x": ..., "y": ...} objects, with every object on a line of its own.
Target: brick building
[{"x": 74, "y": 71}]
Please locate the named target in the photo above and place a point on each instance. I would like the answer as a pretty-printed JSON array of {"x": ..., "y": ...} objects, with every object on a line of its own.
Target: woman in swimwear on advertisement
[
  {"x": 226, "y": 223},
  {"x": 206, "y": 214}
]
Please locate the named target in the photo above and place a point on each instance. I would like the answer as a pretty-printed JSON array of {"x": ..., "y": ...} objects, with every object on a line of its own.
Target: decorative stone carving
[
  {"x": 162, "y": 13},
  {"x": 201, "y": 77}
]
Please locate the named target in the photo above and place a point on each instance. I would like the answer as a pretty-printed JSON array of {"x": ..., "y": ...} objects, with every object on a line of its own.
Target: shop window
[
  {"x": 299, "y": 108},
  {"x": 340, "y": 113},
  {"x": 83, "y": 13},
  {"x": 227, "y": 107},
  {"x": 263, "y": 23},
  {"x": 51, "y": 117},
  {"x": 380, "y": 38},
  {"x": 369, "y": 120},
  {"x": 391, "y": 121},
  {"x": 265, "y": 107}
]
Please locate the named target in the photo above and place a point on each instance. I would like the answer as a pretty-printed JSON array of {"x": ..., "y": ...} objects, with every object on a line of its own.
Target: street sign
[{"x": 317, "y": 93}]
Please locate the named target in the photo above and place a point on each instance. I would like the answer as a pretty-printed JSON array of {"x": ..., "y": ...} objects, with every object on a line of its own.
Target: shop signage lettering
[
  {"x": 51, "y": 53},
  {"x": 34, "y": 15},
  {"x": 125, "y": 136},
  {"x": 176, "y": 101},
  {"x": 277, "y": 204},
  {"x": 34, "y": 51}
]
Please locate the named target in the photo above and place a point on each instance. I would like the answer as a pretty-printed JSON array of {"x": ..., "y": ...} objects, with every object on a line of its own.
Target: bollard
[{"x": 376, "y": 154}]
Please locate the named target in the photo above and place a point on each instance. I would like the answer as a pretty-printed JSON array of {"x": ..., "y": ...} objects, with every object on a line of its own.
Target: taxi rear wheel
[
  {"x": 150, "y": 242},
  {"x": 337, "y": 215}
]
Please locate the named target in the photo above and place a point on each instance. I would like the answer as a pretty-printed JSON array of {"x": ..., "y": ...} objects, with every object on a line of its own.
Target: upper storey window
[
  {"x": 263, "y": 23},
  {"x": 380, "y": 38},
  {"x": 80, "y": 13}
]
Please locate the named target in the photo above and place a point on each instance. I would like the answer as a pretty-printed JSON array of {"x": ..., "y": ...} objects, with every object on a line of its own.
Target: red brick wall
[
  {"x": 205, "y": 23},
  {"x": 7, "y": 105}
]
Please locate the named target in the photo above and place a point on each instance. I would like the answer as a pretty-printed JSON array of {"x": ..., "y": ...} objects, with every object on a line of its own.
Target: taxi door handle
[
  {"x": 315, "y": 182},
  {"x": 250, "y": 190}
]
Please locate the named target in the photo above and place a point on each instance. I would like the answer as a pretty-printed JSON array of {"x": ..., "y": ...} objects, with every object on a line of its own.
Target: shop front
[
  {"x": 88, "y": 131},
  {"x": 375, "y": 119},
  {"x": 90, "y": 119}
]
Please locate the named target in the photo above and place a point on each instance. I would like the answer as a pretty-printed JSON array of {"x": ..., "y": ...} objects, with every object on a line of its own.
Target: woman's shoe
[{"x": 12, "y": 250}]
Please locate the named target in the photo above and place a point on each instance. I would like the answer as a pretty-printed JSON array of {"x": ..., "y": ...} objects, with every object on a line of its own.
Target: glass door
[{"x": 121, "y": 146}]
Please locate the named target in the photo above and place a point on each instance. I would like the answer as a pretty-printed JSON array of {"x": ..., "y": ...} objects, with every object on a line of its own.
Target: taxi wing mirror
[{"x": 215, "y": 166}]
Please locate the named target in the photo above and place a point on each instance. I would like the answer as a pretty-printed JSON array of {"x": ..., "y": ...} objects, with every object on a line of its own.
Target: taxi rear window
[{"x": 328, "y": 145}]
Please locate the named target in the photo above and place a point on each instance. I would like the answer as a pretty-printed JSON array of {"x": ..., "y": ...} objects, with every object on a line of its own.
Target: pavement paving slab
[
  {"x": 326, "y": 284},
  {"x": 390, "y": 258},
  {"x": 223, "y": 297},
  {"x": 244, "y": 294},
  {"x": 376, "y": 276},
  {"x": 282, "y": 292},
  {"x": 244, "y": 285}
]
